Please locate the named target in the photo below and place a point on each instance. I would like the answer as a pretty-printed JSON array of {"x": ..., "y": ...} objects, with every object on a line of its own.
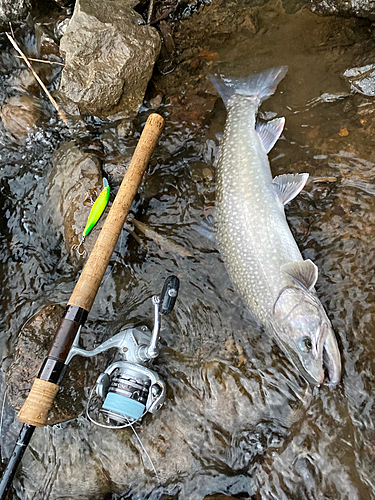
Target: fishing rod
[{"x": 34, "y": 412}]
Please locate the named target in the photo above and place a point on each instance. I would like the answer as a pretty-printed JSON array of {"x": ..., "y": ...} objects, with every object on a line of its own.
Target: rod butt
[{"x": 15, "y": 459}]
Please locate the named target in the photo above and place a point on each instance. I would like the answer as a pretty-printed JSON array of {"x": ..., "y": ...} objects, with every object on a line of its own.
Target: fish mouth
[
  {"x": 326, "y": 353},
  {"x": 332, "y": 358},
  {"x": 314, "y": 374}
]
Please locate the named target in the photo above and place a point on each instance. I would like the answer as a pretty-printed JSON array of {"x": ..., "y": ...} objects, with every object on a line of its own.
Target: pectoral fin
[
  {"x": 289, "y": 185},
  {"x": 306, "y": 272},
  {"x": 270, "y": 132}
]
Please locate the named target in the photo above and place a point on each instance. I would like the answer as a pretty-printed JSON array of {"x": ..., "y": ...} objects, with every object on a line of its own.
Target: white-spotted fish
[{"x": 258, "y": 249}]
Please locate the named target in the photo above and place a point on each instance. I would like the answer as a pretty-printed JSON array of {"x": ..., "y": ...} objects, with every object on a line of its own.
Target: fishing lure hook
[{"x": 78, "y": 246}]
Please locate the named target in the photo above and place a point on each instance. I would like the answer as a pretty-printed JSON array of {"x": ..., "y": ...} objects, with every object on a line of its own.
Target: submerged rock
[
  {"x": 359, "y": 8},
  {"x": 19, "y": 114},
  {"x": 225, "y": 424},
  {"x": 29, "y": 352},
  {"x": 109, "y": 58},
  {"x": 75, "y": 182}
]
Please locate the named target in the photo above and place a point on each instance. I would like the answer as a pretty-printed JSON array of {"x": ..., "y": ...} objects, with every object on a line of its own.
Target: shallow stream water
[{"x": 239, "y": 420}]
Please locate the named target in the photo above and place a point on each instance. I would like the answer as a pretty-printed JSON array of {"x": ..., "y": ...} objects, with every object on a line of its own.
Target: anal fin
[{"x": 288, "y": 186}]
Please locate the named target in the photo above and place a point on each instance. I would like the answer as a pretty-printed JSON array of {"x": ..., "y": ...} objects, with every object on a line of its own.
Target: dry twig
[{"x": 42, "y": 61}]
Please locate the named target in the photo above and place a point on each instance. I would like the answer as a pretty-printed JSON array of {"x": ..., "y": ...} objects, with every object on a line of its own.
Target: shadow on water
[{"x": 238, "y": 420}]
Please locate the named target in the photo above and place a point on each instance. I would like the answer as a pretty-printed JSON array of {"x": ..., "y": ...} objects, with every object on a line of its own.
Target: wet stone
[
  {"x": 109, "y": 58},
  {"x": 75, "y": 183},
  {"x": 22, "y": 80},
  {"x": 45, "y": 40},
  {"x": 30, "y": 350},
  {"x": 12, "y": 10},
  {"x": 19, "y": 114},
  {"x": 116, "y": 167},
  {"x": 362, "y": 79},
  {"x": 359, "y": 8}
]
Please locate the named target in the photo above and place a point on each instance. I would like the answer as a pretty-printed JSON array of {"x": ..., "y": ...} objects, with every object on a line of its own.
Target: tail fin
[{"x": 261, "y": 85}]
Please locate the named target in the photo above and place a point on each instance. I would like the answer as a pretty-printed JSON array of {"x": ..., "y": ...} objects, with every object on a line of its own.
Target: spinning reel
[{"x": 128, "y": 386}]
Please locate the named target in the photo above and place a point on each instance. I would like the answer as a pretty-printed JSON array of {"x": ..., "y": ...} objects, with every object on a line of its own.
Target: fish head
[{"x": 304, "y": 332}]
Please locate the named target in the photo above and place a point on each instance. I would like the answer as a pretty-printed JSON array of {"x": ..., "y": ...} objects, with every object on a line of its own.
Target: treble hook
[{"x": 78, "y": 246}]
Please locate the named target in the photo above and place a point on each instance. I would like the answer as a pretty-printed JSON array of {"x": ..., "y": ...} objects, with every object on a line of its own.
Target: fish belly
[{"x": 253, "y": 235}]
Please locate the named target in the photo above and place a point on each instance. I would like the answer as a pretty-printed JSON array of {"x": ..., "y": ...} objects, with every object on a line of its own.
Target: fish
[{"x": 258, "y": 249}]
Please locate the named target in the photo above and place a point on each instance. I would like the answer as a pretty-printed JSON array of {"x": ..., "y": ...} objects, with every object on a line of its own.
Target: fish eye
[{"x": 305, "y": 344}]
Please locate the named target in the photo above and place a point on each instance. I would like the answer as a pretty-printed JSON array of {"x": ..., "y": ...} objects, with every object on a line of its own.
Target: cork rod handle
[{"x": 87, "y": 286}]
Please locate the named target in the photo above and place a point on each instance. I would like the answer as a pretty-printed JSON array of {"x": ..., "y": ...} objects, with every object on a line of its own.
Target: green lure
[
  {"x": 97, "y": 208},
  {"x": 95, "y": 214}
]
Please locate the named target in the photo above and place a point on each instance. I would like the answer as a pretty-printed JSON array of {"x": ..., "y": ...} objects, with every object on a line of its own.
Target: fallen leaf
[
  {"x": 208, "y": 55},
  {"x": 313, "y": 133},
  {"x": 343, "y": 132}
]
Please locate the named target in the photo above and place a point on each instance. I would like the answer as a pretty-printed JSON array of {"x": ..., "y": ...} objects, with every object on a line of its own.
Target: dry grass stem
[
  {"x": 42, "y": 61},
  {"x": 61, "y": 114},
  {"x": 11, "y": 30}
]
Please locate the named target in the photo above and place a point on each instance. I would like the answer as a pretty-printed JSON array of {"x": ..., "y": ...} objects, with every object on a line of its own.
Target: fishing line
[
  {"x": 129, "y": 424},
  {"x": 144, "y": 449},
  {"x": 2, "y": 414}
]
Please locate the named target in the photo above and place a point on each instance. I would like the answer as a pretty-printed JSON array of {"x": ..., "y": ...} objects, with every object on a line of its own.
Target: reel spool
[
  {"x": 129, "y": 391},
  {"x": 126, "y": 396},
  {"x": 128, "y": 386}
]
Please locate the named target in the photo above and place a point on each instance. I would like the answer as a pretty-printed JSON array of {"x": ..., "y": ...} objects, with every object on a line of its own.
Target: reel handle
[{"x": 168, "y": 295}]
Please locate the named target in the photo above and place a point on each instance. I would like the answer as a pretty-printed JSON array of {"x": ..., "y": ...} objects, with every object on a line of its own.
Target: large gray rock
[
  {"x": 109, "y": 58},
  {"x": 360, "y": 8}
]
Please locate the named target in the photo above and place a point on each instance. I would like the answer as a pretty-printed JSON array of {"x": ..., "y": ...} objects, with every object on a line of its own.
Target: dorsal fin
[
  {"x": 270, "y": 132},
  {"x": 289, "y": 185},
  {"x": 306, "y": 272}
]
